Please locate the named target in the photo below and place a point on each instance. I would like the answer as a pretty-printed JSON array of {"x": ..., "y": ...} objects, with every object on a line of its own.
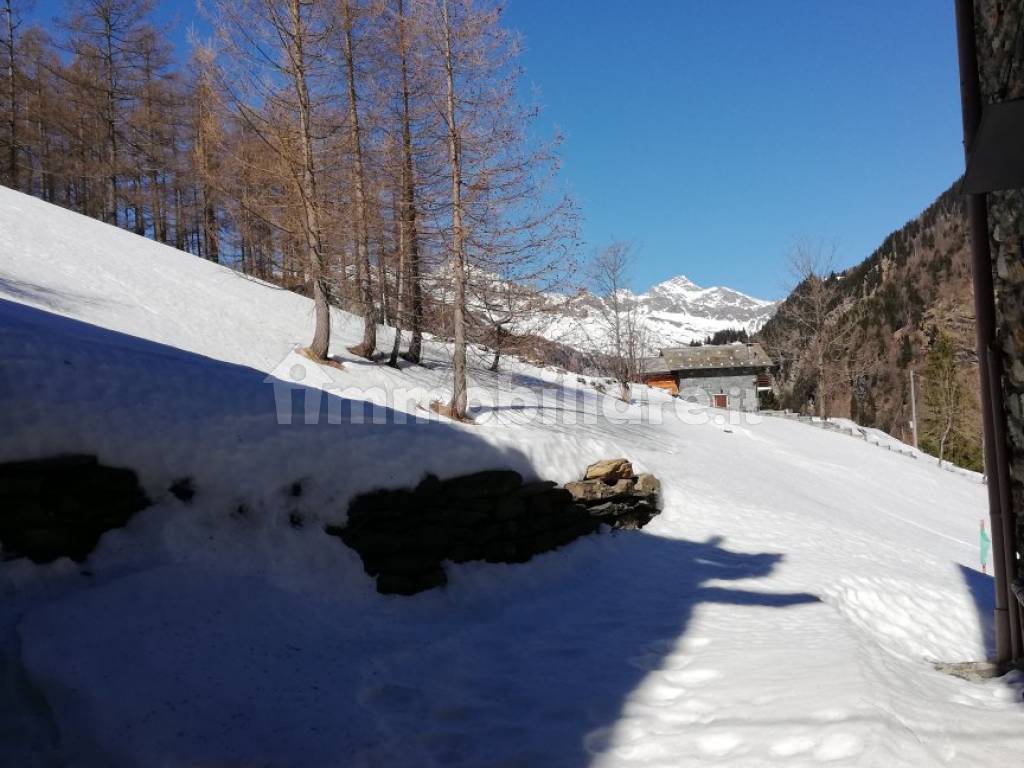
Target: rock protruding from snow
[
  {"x": 647, "y": 485},
  {"x": 598, "y": 490},
  {"x": 613, "y": 494},
  {"x": 609, "y": 470}
]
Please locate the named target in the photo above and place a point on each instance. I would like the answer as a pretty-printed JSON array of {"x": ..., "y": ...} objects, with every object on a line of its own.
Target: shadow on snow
[
  {"x": 982, "y": 588},
  {"x": 510, "y": 665},
  {"x": 540, "y": 674}
]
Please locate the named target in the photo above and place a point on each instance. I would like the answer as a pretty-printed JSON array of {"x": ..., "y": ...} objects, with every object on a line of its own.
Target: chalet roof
[
  {"x": 655, "y": 365},
  {"x": 709, "y": 357}
]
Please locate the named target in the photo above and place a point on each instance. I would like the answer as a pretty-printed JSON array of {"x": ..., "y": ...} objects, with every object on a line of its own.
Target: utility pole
[{"x": 913, "y": 408}]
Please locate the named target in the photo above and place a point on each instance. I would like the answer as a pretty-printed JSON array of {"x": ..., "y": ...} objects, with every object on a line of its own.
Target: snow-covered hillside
[
  {"x": 785, "y": 609},
  {"x": 672, "y": 313}
]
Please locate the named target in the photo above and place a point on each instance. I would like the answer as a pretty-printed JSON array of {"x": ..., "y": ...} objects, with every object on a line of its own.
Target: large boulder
[{"x": 609, "y": 470}]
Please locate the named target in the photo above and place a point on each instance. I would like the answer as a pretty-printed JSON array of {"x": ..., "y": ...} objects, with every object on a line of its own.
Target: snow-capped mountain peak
[
  {"x": 673, "y": 313},
  {"x": 677, "y": 284}
]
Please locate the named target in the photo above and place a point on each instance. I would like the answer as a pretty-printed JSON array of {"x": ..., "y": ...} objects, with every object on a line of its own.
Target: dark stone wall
[
  {"x": 1000, "y": 40},
  {"x": 404, "y": 535},
  {"x": 60, "y": 506}
]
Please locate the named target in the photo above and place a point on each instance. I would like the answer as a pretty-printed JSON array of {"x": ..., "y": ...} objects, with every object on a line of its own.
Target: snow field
[{"x": 785, "y": 609}]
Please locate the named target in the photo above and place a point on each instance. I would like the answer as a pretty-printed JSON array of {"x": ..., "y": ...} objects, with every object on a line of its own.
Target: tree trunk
[
  {"x": 138, "y": 215},
  {"x": 384, "y": 309},
  {"x": 411, "y": 235},
  {"x": 153, "y": 151},
  {"x": 110, "y": 215},
  {"x": 310, "y": 202},
  {"x": 13, "y": 175},
  {"x": 366, "y": 347},
  {"x": 210, "y": 235},
  {"x": 179, "y": 219},
  {"x": 457, "y": 407},
  {"x": 396, "y": 346},
  {"x": 157, "y": 212},
  {"x": 203, "y": 96},
  {"x": 46, "y": 183},
  {"x": 819, "y": 395},
  {"x": 948, "y": 427},
  {"x": 400, "y": 309}
]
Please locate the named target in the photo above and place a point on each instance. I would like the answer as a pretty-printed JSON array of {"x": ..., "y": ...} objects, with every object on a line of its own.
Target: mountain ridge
[
  {"x": 889, "y": 309},
  {"x": 673, "y": 312}
]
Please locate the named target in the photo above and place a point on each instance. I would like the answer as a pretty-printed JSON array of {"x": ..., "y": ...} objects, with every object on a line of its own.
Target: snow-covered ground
[
  {"x": 883, "y": 439},
  {"x": 785, "y": 609}
]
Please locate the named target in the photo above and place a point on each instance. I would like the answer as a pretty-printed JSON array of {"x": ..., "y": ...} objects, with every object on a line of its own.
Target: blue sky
[{"x": 714, "y": 134}]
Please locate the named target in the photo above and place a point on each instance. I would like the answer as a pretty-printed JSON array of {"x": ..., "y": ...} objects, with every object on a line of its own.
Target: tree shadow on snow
[
  {"x": 68, "y": 386},
  {"x": 543, "y": 670},
  {"x": 61, "y": 301},
  {"x": 186, "y": 400}
]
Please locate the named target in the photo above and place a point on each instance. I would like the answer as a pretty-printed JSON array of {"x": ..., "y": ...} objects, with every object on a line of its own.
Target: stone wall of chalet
[{"x": 741, "y": 390}]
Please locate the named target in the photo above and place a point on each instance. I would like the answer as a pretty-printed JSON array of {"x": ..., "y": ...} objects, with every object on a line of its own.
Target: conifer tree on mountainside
[
  {"x": 728, "y": 336},
  {"x": 949, "y": 415}
]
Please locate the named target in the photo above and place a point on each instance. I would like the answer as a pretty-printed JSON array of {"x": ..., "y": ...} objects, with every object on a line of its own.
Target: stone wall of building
[
  {"x": 1000, "y": 40},
  {"x": 742, "y": 390}
]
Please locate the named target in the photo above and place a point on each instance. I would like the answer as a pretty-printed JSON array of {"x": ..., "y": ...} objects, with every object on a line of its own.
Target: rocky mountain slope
[{"x": 888, "y": 311}]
